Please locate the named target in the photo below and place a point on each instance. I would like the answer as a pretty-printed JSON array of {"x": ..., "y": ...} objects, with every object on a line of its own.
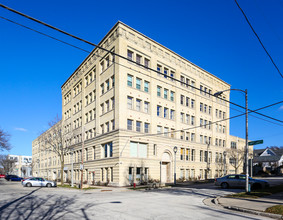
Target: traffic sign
[{"x": 255, "y": 142}]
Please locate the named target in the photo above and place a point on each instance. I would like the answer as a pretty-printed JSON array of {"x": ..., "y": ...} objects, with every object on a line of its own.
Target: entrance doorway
[{"x": 166, "y": 168}]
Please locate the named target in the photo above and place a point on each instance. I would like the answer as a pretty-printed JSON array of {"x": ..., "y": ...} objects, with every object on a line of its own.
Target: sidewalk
[{"x": 251, "y": 205}]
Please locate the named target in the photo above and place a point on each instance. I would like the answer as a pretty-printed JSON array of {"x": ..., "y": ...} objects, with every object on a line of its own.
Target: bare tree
[
  {"x": 4, "y": 140},
  {"x": 55, "y": 142},
  {"x": 7, "y": 163},
  {"x": 236, "y": 158}
]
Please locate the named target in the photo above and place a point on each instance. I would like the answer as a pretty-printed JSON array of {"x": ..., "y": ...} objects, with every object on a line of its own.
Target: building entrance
[{"x": 166, "y": 168}]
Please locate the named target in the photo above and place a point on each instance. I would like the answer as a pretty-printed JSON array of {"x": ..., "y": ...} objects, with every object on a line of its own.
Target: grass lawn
[
  {"x": 259, "y": 193},
  {"x": 278, "y": 209}
]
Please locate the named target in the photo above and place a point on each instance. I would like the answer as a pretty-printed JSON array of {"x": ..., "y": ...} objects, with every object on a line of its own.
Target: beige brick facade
[{"x": 114, "y": 104}]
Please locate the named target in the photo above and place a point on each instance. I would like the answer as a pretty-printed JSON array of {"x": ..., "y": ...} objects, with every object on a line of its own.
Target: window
[
  {"x": 107, "y": 85},
  {"x": 130, "y": 80},
  {"x": 102, "y": 88},
  {"x": 158, "y": 91},
  {"x": 201, "y": 107},
  {"x": 192, "y": 120},
  {"x": 154, "y": 149},
  {"x": 158, "y": 68},
  {"x": 182, "y": 80},
  {"x": 201, "y": 156},
  {"x": 172, "y": 74},
  {"x": 130, "y": 102},
  {"x": 192, "y": 103},
  {"x": 107, "y": 126},
  {"x": 165, "y": 112},
  {"x": 108, "y": 149},
  {"x": 187, "y": 82},
  {"x": 233, "y": 145},
  {"x": 138, "y": 150},
  {"x": 187, "y": 119},
  {"x": 187, "y": 101},
  {"x": 172, "y": 113},
  {"x": 138, "y": 83},
  {"x": 192, "y": 137},
  {"x": 113, "y": 81},
  {"x": 113, "y": 124},
  {"x": 102, "y": 108},
  {"x": 138, "y": 59},
  {"x": 172, "y": 96},
  {"x": 138, "y": 104},
  {"x": 201, "y": 138},
  {"x": 146, "y": 86},
  {"x": 182, "y": 100},
  {"x": 146, "y": 107},
  {"x": 187, "y": 154},
  {"x": 193, "y": 84},
  {"x": 130, "y": 55},
  {"x": 93, "y": 152},
  {"x": 107, "y": 61},
  {"x": 159, "y": 129},
  {"x": 159, "y": 110},
  {"x": 102, "y": 66},
  {"x": 130, "y": 124},
  {"x": 182, "y": 154},
  {"x": 146, "y": 62},
  {"x": 165, "y": 93},
  {"x": 166, "y": 131},
  {"x": 193, "y": 155},
  {"x": 182, "y": 117},
  {"x": 138, "y": 126},
  {"x": 107, "y": 106},
  {"x": 165, "y": 72},
  {"x": 146, "y": 127}
]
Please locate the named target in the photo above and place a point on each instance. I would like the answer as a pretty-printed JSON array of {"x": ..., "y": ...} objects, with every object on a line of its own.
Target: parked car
[
  {"x": 12, "y": 178},
  {"x": 239, "y": 181},
  {"x": 16, "y": 178},
  {"x": 2, "y": 176},
  {"x": 38, "y": 181}
]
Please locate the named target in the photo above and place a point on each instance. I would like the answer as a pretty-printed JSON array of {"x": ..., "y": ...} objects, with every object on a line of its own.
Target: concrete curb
[{"x": 251, "y": 211}]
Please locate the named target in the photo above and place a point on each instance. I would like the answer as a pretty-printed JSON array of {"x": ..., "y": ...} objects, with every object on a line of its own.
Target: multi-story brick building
[{"x": 123, "y": 117}]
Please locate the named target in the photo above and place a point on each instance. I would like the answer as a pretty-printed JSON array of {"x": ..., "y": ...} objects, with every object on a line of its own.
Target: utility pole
[{"x": 247, "y": 147}]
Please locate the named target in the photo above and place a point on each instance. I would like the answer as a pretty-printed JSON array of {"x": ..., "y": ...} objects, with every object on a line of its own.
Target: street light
[
  {"x": 175, "y": 151},
  {"x": 246, "y": 147}
]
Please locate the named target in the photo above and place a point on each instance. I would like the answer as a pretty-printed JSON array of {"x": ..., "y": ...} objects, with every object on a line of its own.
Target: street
[{"x": 19, "y": 202}]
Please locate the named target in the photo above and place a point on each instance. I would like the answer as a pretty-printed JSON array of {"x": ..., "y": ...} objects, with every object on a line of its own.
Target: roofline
[{"x": 119, "y": 22}]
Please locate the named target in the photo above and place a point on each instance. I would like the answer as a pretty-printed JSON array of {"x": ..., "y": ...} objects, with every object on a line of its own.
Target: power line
[
  {"x": 120, "y": 56},
  {"x": 64, "y": 42},
  {"x": 259, "y": 39}
]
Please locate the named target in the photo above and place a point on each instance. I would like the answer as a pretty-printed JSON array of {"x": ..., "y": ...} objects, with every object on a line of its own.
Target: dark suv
[{"x": 9, "y": 177}]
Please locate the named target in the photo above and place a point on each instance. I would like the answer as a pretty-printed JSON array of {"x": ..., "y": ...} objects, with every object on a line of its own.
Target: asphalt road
[{"x": 17, "y": 202}]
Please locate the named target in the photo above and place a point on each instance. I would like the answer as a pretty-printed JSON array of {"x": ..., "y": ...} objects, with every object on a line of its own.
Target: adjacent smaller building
[
  {"x": 269, "y": 160},
  {"x": 23, "y": 165}
]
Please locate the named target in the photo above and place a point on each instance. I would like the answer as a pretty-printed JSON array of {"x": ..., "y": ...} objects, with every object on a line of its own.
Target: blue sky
[{"x": 211, "y": 34}]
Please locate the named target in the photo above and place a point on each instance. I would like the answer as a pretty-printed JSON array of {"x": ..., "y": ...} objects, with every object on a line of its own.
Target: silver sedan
[
  {"x": 238, "y": 180},
  {"x": 38, "y": 181}
]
